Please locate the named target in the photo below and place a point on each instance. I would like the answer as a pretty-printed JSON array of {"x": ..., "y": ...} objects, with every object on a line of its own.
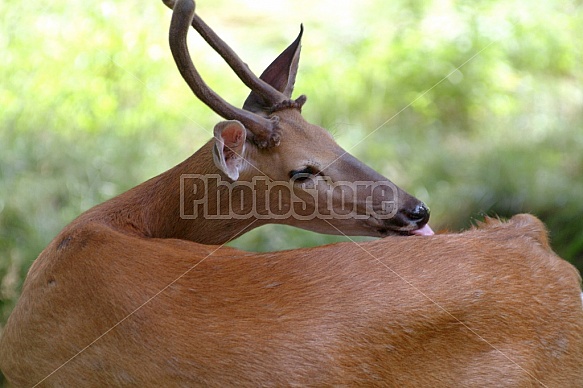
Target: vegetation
[{"x": 474, "y": 107}]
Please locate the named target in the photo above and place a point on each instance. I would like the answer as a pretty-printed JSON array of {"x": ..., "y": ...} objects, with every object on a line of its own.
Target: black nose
[{"x": 419, "y": 214}]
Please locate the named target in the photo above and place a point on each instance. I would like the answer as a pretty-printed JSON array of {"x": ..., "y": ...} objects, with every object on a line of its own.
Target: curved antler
[
  {"x": 265, "y": 131},
  {"x": 239, "y": 67}
]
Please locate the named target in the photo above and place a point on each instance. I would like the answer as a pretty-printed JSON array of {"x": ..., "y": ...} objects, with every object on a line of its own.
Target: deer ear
[
  {"x": 281, "y": 74},
  {"x": 229, "y": 147}
]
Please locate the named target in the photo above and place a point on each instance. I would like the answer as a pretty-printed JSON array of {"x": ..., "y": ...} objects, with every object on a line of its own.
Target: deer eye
[{"x": 303, "y": 174}]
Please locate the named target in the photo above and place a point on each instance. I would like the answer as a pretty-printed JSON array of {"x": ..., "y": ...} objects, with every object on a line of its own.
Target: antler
[{"x": 265, "y": 131}]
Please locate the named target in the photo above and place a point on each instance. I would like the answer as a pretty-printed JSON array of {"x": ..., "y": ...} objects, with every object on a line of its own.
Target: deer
[{"x": 139, "y": 292}]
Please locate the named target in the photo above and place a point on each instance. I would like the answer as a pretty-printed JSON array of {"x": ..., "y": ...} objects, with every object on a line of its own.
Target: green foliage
[{"x": 476, "y": 108}]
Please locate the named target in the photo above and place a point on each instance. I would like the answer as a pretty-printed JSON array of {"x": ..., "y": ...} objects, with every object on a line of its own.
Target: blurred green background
[{"x": 91, "y": 104}]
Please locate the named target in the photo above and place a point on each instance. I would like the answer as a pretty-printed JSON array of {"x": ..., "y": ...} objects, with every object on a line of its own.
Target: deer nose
[{"x": 419, "y": 214}]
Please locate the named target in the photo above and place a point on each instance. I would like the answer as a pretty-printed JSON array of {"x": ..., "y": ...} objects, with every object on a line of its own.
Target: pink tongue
[{"x": 424, "y": 231}]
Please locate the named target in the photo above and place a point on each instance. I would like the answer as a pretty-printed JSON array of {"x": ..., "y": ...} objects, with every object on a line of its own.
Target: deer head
[{"x": 269, "y": 138}]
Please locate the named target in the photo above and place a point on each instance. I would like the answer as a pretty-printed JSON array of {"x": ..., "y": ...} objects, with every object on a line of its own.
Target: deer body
[{"x": 489, "y": 307}]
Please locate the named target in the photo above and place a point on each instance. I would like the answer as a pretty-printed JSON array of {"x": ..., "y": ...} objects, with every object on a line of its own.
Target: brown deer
[{"x": 127, "y": 295}]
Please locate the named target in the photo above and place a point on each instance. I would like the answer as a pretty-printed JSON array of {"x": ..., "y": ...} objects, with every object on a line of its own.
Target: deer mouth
[
  {"x": 424, "y": 230},
  {"x": 410, "y": 220}
]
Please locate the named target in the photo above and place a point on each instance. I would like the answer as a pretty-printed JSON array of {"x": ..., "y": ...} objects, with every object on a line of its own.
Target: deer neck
[{"x": 184, "y": 202}]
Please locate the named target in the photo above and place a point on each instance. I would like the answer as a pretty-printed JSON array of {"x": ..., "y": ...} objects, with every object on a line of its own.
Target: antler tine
[
  {"x": 265, "y": 131},
  {"x": 239, "y": 67}
]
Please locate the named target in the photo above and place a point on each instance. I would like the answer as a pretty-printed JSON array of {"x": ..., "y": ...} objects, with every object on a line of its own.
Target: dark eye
[{"x": 303, "y": 174}]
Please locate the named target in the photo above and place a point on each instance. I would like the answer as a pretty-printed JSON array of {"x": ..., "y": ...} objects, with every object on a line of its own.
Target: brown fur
[{"x": 493, "y": 306}]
